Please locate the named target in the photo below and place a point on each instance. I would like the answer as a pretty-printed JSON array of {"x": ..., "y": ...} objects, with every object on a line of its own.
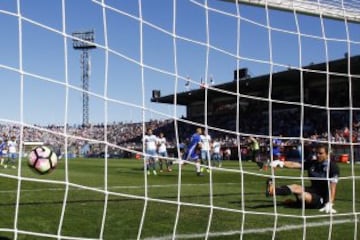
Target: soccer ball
[{"x": 42, "y": 159}]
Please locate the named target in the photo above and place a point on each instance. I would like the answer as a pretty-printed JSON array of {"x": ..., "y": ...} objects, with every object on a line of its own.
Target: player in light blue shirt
[
  {"x": 12, "y": 152},
  {"x": 216, "y": 156},
  {"x": 150, "y": 143}
]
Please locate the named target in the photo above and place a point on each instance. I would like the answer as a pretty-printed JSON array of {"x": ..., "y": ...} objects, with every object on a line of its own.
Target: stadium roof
[{"x": 287, "y": 78}]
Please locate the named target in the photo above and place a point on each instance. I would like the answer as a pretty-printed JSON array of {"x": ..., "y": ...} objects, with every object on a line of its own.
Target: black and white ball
[{"x": 42, "y": 159}]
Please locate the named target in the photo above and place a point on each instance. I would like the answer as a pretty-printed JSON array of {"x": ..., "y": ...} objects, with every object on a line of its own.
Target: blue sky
[{"x": 52, "y": 96}]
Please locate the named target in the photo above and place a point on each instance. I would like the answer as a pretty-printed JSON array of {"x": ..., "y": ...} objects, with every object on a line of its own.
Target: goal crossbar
[{"x": 334, "y": 9}]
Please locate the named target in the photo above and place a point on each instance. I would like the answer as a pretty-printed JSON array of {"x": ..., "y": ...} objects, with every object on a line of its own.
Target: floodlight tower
[{"x": 84, "y": 41}]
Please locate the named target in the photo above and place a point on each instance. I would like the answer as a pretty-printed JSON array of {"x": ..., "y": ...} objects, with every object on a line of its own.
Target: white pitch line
[{"x": 252, "y": 231}]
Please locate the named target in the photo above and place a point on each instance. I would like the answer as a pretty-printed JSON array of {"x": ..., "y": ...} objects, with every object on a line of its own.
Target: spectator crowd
[{"x": 121, "y": 138}]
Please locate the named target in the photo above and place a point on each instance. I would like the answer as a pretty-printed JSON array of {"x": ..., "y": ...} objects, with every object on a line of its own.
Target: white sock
[{"x": 197, "y": 165}]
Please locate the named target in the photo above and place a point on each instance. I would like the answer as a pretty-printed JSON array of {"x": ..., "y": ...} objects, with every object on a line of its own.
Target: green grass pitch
[{"x": 84, "y": 204}]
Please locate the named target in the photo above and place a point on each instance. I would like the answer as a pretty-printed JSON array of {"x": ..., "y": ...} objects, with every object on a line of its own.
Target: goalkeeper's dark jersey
[{"x": 319, "y": 176}]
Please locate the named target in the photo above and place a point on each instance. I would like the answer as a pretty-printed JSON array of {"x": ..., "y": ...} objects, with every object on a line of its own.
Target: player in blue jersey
[
  {"x": 192, "y": 152},
  {"x": 2, "y": 148},
  {"x": 277, "y": 144}
]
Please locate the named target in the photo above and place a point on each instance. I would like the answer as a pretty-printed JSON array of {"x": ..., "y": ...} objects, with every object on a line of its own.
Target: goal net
[{"x": 88, "y": 78}]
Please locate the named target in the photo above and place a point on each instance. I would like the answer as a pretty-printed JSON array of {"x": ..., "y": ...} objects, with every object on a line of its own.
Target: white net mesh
[{"x": 87, "y": 78}]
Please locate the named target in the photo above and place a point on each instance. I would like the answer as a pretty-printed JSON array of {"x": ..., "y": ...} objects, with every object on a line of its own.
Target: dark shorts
[{"x": 317, "y": 201}]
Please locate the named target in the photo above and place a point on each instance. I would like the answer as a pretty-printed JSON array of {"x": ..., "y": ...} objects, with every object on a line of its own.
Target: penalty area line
[{"x": 254, "y": 230}]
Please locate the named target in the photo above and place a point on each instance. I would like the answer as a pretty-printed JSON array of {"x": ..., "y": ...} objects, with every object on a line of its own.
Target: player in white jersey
[
  {"x": 205, "y": 148},
  {"x": 12, "y": 152},
  {"x": 162, "y": 152},
  {"x": 216, "y": 156},
  {"x": 150, "y": 142}
]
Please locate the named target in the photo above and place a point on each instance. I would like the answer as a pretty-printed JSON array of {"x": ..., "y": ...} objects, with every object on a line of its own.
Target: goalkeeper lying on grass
[{"x": 323, "y": 174}]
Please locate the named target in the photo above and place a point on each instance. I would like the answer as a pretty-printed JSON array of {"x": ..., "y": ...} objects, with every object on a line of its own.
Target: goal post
[{"x": 340, "y": 10}]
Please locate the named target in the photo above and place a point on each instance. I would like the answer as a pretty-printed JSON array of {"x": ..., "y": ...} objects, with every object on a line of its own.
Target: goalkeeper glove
[
  {"x": 277, "y": 163},
  {"x": 328, "y": 208}
]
